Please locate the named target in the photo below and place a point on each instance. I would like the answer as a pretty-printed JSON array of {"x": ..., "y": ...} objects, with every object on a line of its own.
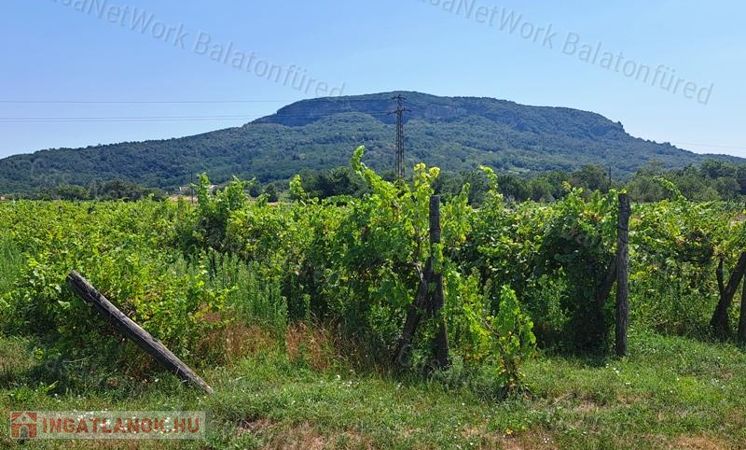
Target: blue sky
[{"x": 88, "y": 52}]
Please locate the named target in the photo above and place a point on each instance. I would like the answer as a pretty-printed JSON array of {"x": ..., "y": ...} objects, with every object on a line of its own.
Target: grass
[
  {"x": 669, "y": 393},
  {"x": 10, "y": 263}
]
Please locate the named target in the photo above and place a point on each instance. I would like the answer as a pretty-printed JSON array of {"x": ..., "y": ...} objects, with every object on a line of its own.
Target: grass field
[{"x": 669, "y": 393}]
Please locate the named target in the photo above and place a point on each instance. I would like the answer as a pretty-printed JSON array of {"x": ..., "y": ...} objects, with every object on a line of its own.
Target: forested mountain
[{"x": 455, "y": 133}]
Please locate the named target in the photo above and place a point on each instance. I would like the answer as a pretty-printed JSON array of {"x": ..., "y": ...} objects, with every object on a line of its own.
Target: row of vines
[{"x": 516, "y": 276}]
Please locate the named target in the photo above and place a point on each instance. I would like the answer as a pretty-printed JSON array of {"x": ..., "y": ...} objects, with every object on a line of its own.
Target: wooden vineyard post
[
  {"x": 622, "y": 286},
  {"x": 437, "y": 299},
  {"x": 429, "y": 299},
  {"x": 134, "y": 332}
]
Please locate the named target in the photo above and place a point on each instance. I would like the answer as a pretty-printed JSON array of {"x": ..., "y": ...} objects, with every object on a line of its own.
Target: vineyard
[{"x": 251, "y": 293}]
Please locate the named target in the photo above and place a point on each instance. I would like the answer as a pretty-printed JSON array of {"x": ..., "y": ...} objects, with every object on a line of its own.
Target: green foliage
[
  {"x": 516, "y": 275},
  {"x": 712, "y": 180},
  {"x": 577, "y": 248},
  {"x": 673, "y": 249},
  {"x": 552, "y": 256},
  {"x": 115, "y": 189},
  {"x": 271, "y": 193},
  {"x": 381, "y": 245},
  {"x": 214, "y": 210},
  {"x": 297, "y": 192},
  {"x": 514, "y": 338},
  {"x": 359, "y": 265},
  {"x": 340, "y": 181},
  {"x": 11, "y": 266},
  {"x": 125, "y": 250}
]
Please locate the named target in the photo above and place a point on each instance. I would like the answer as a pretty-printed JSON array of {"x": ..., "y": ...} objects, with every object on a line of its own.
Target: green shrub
[{"x": 196, "y": 276}]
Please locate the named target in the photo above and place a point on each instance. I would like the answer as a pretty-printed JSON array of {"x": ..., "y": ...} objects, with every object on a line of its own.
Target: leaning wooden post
[
  {"x": 622, "y": 285},
  {"x": 133, "y": 331},
  {"x": 414, "y": 316},
  {"x": 437, "y": 299}
]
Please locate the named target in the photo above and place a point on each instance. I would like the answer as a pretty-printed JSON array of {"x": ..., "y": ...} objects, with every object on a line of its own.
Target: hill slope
[{"x": 455, "y": 133}]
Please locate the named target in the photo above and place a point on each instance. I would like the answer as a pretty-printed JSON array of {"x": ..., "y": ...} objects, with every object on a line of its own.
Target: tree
[
  {"x": 271, "y": 192},
  {"x": 592, "y": 178}
]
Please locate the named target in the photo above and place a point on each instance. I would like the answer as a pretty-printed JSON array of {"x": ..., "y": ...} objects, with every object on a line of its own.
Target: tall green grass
[
  {"x": 253, "y": 295},
  {"x": 11, "y": 263}
]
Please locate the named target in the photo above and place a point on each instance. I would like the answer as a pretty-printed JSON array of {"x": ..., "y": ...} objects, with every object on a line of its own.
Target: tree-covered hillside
[{"x": 454, "y": 133}]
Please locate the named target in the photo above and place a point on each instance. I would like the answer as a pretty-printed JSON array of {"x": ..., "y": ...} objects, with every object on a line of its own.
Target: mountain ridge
[{"x": 455, "y": 133}]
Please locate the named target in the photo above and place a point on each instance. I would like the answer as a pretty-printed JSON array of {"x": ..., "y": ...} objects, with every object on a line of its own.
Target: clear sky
[{"x": 77, "y": 72}]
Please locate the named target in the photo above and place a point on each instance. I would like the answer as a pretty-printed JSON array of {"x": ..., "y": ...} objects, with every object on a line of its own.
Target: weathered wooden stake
[
  {"x": 622, "y": 283},
  {"x": 430, "y": 299},
  {"x": 437, "y": 299},
  {"x": 133, "y": 331}
]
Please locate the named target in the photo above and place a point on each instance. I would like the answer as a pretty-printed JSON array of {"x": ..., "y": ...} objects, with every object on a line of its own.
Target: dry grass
[
  {"x": 315, "y": 346},
  {"x": 306, "y": 437},
  {"x": 528, "y": 441},
  {"x": 301, "y": 437},
  {"x": 701, "y": 442},
  {"x": 236, "y": 341},
  {"x": 14, "y": 360}
]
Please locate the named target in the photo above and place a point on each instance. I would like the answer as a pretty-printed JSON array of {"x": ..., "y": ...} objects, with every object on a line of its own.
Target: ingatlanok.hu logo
[
  {"x": 107, "y": 425},
  {"x": 23, "y": 425}
]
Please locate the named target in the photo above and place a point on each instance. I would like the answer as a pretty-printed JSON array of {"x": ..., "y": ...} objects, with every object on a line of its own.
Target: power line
[
  {"x": 737, "y": 147},
  {"x": 172, "y": 118},
  {"x": 124, "y": 117},
  {"x": 174, "y": 102},
  {"x": 133, "y": 102}
]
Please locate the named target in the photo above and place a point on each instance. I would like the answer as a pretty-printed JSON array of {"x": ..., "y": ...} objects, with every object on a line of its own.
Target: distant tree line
[
  {"x": 712, "y": 180},
  {"x": 709, "y": 181},
  {"x": 98, "y": 190}
]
